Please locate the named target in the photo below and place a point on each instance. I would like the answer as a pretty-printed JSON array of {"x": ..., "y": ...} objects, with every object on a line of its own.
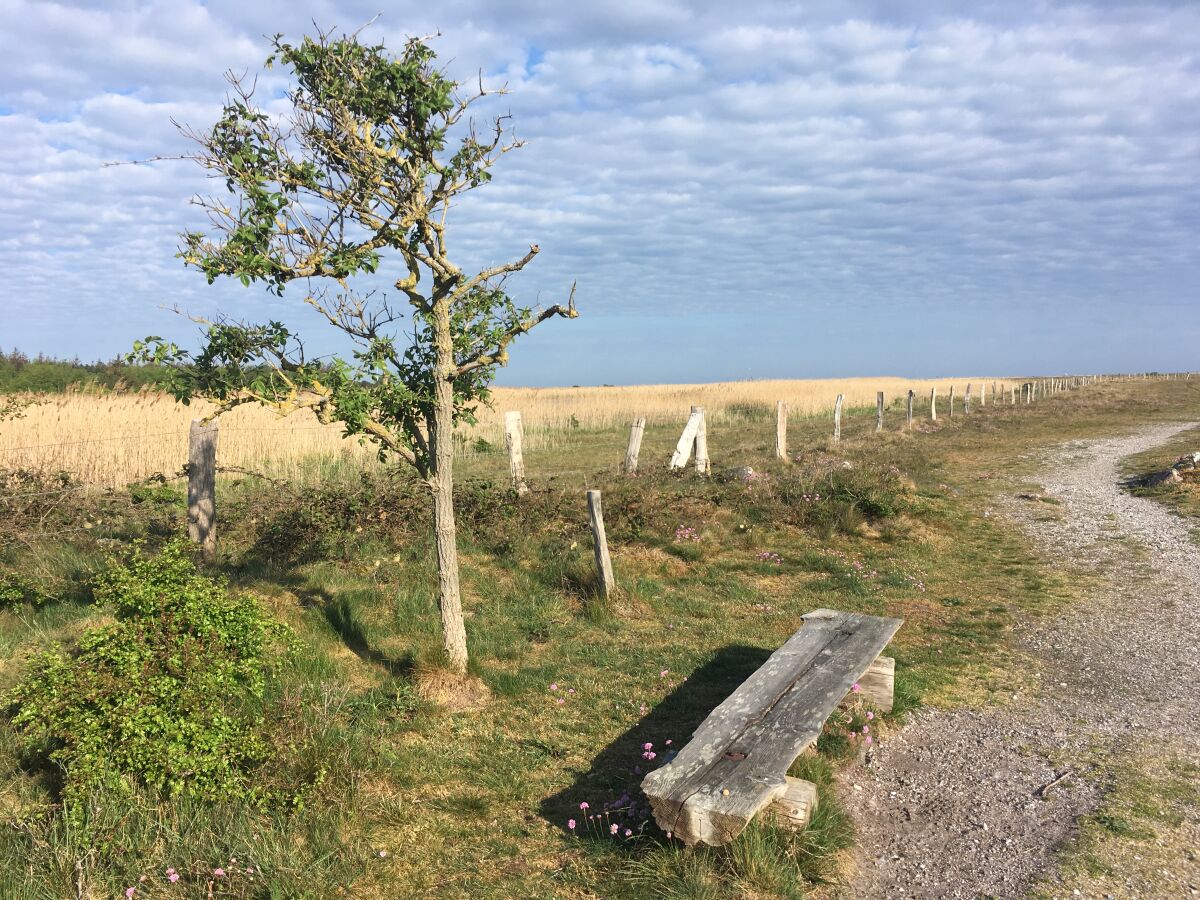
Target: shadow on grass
[
  {"x": 615, "y": 775},
  {"x": 342, "y": 617}
]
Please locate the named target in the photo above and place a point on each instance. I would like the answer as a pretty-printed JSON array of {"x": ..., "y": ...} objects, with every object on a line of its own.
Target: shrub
[{"x": 167, "y": 697}]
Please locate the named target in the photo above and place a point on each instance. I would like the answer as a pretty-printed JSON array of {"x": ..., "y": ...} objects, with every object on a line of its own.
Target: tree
[{"x": 365, "y": 164}]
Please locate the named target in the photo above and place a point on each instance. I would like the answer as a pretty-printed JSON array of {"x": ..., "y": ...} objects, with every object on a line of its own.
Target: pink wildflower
[
  {"x": 584, "y": 805},
  {"x": 218, "y": 872},
  {"x": 559, "y": 702},
  {"x": 129, "y": 892},
  {"x": 628, "y": 832},
  {"x": 866, "y": 729},
  {"x": 867, "y": 740},
  {"x": 612, "y": 829},
  {"x": 648, "y": 746},
  {"x": 663, "y": 673},
  {"x": 172, "y": 877},
  {"x": 870, "y": 715},
  {"x": 856, "y": 687},
  {"x": 554, "y": 686},
  {"x": 571, "y": 824}
]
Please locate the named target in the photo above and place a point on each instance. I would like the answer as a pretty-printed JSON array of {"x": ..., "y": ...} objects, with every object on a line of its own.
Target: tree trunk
[{"x": 441, "y": 485}]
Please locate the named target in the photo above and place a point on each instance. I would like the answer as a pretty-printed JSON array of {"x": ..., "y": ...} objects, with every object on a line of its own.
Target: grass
[
  {"x": 1142, "y": 839},
  {"x": 1183, "y": 499},
  {"x": 405, "y": 793}
]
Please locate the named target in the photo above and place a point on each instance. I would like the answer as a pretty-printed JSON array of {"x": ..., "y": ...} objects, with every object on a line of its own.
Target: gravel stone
[{"x": 956, "y": 804}]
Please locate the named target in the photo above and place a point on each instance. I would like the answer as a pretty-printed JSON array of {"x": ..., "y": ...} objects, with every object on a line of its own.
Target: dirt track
[{"x": 953, "y": 805}]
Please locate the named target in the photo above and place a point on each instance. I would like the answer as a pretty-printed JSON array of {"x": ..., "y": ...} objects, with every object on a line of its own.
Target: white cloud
[{"x": 679, "y": 157}]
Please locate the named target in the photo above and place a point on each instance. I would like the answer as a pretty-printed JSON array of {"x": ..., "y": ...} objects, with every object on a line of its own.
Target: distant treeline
[{"x": 44, "y": 374}]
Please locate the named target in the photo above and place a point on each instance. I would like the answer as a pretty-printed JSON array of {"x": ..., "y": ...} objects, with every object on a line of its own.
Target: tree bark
[{"x": 441, "y": 484}]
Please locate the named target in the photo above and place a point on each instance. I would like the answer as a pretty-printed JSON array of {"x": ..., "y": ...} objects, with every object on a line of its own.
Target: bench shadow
[{"x": 611, "y": 785}]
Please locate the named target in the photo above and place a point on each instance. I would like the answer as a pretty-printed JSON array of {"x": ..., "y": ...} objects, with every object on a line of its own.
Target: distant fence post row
[{"x": 693, "y": 442}]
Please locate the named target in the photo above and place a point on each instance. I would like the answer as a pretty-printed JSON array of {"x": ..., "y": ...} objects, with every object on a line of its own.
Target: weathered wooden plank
[
  {"x": 794, "y": 808},
  {"x": 635, "y": 446},
  {"x": 514, "y": 437},
  {"x": 781, "y": 423},
  {"x": 202, "y": 486},
  {"x": 683, "y": 449},
  {"x": 608, "y": 584},
  {"x": 735, "y": 763},
  {"x": 877, "y": 684},
  {"x": 702, "y": 463}
]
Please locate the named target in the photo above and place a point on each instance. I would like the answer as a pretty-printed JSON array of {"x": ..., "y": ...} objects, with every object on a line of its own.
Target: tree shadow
[
  {"x": 342, "y": 617},
  {"x": 611, "y": 785}
]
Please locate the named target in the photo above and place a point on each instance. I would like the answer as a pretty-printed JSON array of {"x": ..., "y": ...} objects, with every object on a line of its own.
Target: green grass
[{"x": 476, "y": 803}]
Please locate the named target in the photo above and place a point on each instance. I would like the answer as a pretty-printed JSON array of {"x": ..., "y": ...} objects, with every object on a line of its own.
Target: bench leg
[
  {"x": 794, "y": 807},
  {"x": 877, "y": 683}
]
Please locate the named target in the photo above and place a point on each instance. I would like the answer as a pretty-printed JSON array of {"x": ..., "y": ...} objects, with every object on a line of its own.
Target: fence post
[
  {"x": 837, "y": 418},
  {"x": 781, "y": 417},
  {"x": 933, "y": 404},
  {"x": 879, "y": 412},
  {"x": 967, "y": 400},
  {"x": 702, "y": 464},
  {"x": 514, "y": 437},
  {"x": 202, "y": 485},
  {"x": 608, "y": 585},
  {"x": 952, "y": 401},
  {"x": 911, "y": 394},
  {"x": 683, "y": 449},
  {"x": 635, "y": 446}
]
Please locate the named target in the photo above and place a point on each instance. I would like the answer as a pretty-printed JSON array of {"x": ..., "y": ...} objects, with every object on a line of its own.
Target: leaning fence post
[
  {"x": 702, "y": 464},
  {"x": 911, "y": 394},
  {"x": 635, "y": 446},
  {"x": 879, "y": 412},
  {"x": 781, "y": 417},
  {"x": 202, "y": 487},
  {"x": 608, "y": 585},
  {"x": 514, "y": 435},
  {"x": 837, "y": 418},
  {"x": 683, "y": 449}
]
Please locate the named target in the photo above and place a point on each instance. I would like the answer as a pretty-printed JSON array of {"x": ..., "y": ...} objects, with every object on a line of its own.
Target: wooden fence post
[
  {"x": 514, "y": 438},
  {"x": 933, "y": 404},
  {"x": 635, "y": 446},
  {"x": 911, "y": 394},
  {"x": 952, "y": 401},
  {"x": 967, "y": 400},
  {"x": 837, "y": 418},
  {"x": 1012, "y": 395},
  {"x": 202, "y": 487},
  {"x": 683, "y": 449},
  {"x": 879, "y": 412},
  {"x": 781, "y": 417},
  {"x": 608, "y": 585},
  {"x": 702, "y": 464}
]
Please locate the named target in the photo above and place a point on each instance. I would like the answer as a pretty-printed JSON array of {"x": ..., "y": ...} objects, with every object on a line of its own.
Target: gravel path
[{"x": 952, "y": 805}]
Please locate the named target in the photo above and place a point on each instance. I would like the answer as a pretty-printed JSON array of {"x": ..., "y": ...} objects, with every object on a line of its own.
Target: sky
[{"x": 750, "y": 190}]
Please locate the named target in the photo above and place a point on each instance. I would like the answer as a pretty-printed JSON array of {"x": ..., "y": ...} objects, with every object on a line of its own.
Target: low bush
[{"x": 168, "y": 697}]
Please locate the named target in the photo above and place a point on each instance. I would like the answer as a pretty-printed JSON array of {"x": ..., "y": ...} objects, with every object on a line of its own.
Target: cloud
[{"x": 869, "y": 163}]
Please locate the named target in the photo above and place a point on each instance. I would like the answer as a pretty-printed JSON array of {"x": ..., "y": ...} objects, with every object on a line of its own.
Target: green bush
[{"x": 168, "y": 697}]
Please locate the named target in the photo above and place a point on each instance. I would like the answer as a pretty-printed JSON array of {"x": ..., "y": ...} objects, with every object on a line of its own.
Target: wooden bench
[{"x": 736, "y": 762}]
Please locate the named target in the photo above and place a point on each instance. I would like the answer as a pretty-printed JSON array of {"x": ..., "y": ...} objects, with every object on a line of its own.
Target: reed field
[{"x": 112, "y": 439}]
